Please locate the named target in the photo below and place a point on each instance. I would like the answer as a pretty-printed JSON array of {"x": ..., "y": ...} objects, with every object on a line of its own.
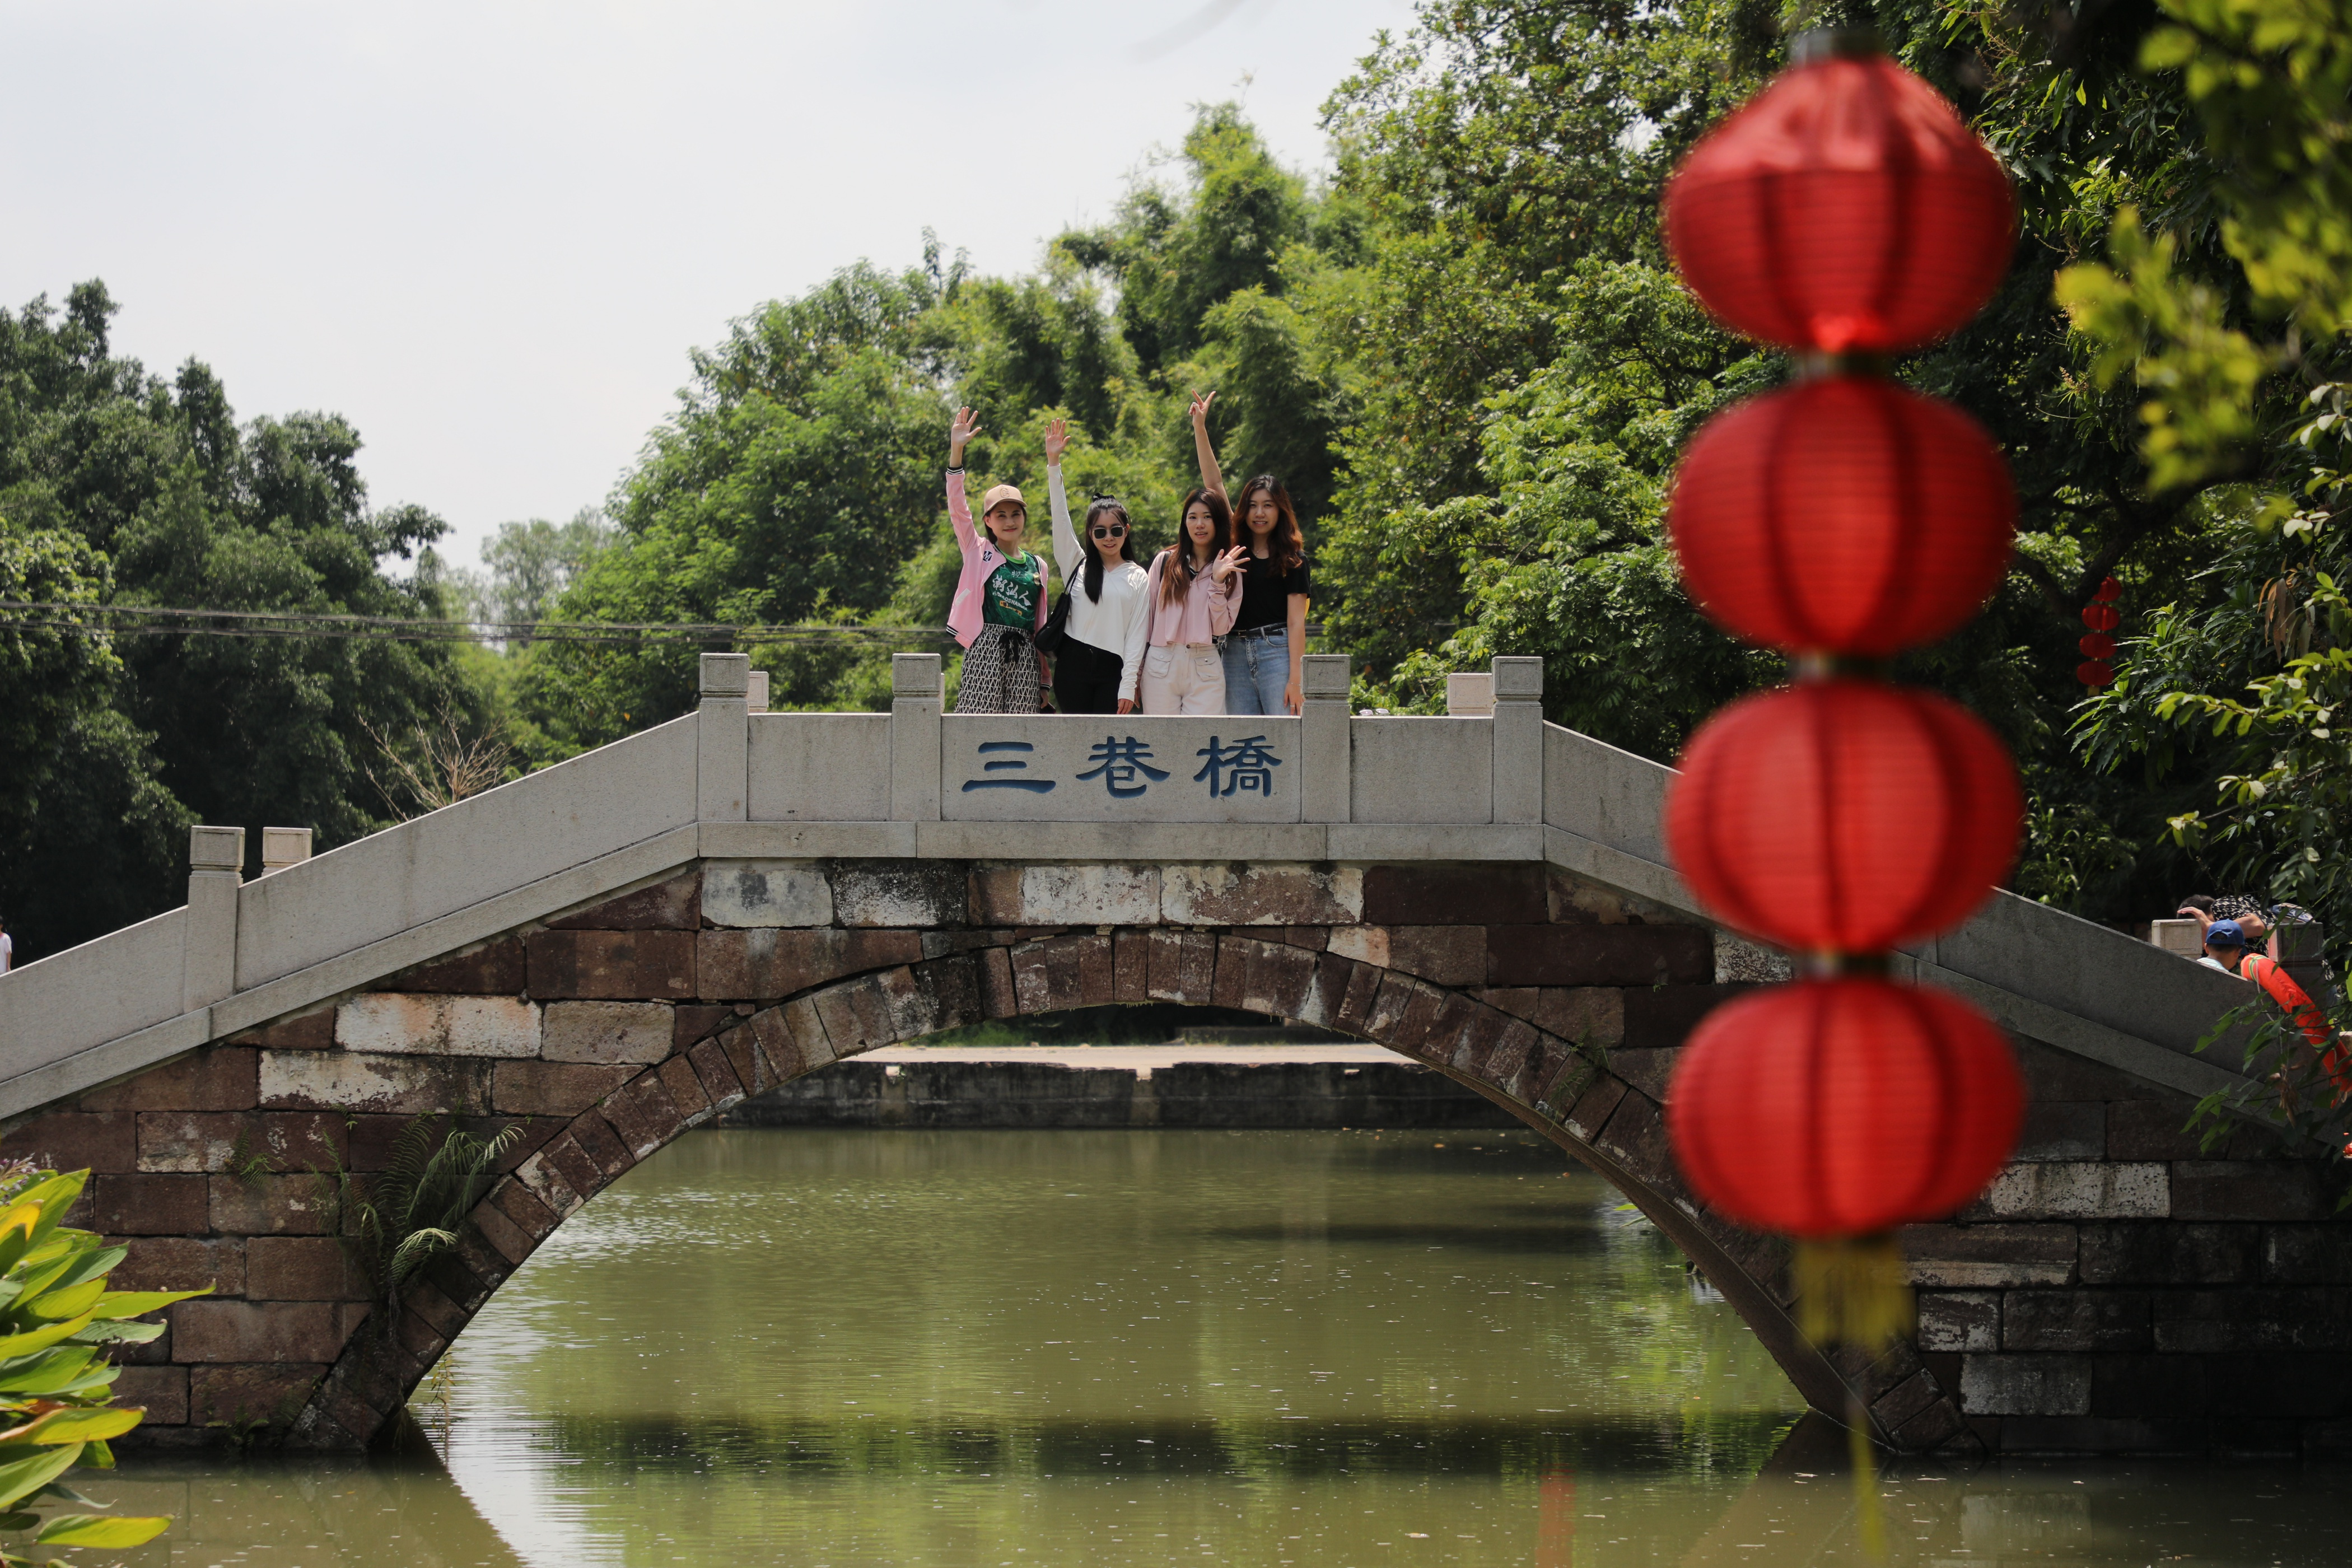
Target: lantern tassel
[
  {"x": 1854, "y": 1291},
  {"x": 1870, "y": 1521}
]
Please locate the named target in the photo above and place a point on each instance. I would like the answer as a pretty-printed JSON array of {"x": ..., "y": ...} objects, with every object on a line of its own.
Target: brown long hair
[
  {"x": 1287, "y": 546},
  {"x": 1177, "y": 573}
]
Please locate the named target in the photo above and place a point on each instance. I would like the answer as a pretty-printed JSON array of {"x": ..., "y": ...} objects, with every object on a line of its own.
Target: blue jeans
[{"x": 1258, "y": 672}]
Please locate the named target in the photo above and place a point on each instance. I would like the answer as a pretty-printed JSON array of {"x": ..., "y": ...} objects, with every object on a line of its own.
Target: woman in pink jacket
[
  {"x": 1195, "y": 590},
  {"x": 1000, "y": 599}
]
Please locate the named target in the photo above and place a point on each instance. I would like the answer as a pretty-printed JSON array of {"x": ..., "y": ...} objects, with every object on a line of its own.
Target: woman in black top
[{"x": 1269, "y": 636}]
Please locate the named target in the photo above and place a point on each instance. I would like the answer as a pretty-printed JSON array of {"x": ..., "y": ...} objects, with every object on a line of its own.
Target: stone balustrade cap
[
  {"x": 725, "y": 674},
  {"x": 915, "y": 675},
  {"x": 1324, "y": 675},
  {"x": 216, "y": 849},
  {"x": 1518, "y": 679}
]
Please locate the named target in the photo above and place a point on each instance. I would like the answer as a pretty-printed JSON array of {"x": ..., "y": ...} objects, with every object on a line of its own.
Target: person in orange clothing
[{"x": 2226, "y": 940}]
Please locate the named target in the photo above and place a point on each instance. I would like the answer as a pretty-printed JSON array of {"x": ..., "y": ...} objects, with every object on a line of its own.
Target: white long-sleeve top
[{"x": 1115, "y": 625}]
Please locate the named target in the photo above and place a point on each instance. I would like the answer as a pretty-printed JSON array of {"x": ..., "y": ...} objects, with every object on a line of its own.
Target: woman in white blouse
[{"x": 1100, "y": 660}]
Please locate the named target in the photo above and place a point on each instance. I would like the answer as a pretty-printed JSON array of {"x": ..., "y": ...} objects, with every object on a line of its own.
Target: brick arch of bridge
[{"x": 615, "y": 1029}]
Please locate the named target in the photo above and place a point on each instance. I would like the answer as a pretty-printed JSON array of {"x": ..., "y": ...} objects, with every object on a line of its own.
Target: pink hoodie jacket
[{"x": 981, "y": 560}]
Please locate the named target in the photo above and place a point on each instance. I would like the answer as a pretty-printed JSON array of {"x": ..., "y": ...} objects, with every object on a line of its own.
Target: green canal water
[{"x": 1004, "y": 1349}]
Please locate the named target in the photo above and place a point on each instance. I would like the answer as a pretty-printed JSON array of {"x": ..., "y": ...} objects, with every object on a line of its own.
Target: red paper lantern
[
  {"x": 1843, "y": 814},
  {"x": 1834, "y": 1107},
  {"x": 2096, "y": 672},
  {"x": 1846, "y": 208},
  {"x": 2097, "y": 644},
  {"x": 1843, "y": 515},
  {"x": 2102, "y": 618},
  {"x": 2109, "y": 590}
]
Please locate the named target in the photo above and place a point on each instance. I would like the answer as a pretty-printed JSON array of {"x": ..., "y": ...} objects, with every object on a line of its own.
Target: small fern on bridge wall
[{"x": 395, "y": 1221}]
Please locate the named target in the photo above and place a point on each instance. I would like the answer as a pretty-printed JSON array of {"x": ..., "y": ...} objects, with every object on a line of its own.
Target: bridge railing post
[
  {"x": 723, "y": 748},
  {"x": 1325, "y": 757},
  {"x": 208, "y": 941},
  {"x": 1518, "y": 791},
  {"x": 916, "y": 690}
]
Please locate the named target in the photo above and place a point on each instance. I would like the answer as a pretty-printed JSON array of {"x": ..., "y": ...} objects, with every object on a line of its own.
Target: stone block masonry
[{"x": 2116, "y": 1287}]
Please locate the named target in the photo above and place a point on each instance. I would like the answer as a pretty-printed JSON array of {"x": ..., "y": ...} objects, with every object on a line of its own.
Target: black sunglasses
[{"x": 1109, "y": 530}]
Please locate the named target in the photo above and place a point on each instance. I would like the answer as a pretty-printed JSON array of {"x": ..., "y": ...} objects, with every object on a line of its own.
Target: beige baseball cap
[{"x": 999, "y": 494}]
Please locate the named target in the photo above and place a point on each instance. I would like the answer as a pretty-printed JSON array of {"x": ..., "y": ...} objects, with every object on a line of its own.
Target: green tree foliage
[
  {"x": 2241, "y": 684},
  {"x": 119, "y": 488},
  {"x": 531, "y": 563}
]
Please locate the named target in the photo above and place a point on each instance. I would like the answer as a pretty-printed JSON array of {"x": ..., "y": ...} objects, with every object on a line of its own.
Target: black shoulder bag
[{"x": 1056, "y": 631}]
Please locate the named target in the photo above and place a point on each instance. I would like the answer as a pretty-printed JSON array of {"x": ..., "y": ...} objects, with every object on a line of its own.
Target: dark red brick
[
  {"x": 2075, "y": 1321},
  {"x": 599, "y": 1141},
  {"x": 160, "y": 1390},
  {"x": 997, "y": 996},
  {"x": 717, "y": 1074},
  {"x": 2161, "y": 1252},
  {"x": 1662, "y": 1016},
  {"x": 505, "y": 1238},
  {"x": 218, "y": 1077},
  {"x": 1359, "y": 998},
  {"x": 953, "y": 987},
  {"x": 303, "y": 1269},
  {"x": 673, "y": 905},
  {"x": 570, "y": 1162},
  {"x": 240, "y": 1396},
  {"x": 151, "y": 1205},
  {"x": 77, "y": 1140},
  {"x": 1649, "y": 1070},
  {"x": 495, "y": 969},
  {"x": 309, "y": 1032},
  {"x": 271, "y": 1206},
  {"x": 1097, "y": 972},
  {"x": 1599, "y": 955},
  {"x": 1131, "y": 967},
  {"x": 767, "y": 964},
  {"x": 428, "y": 1302},
  {"x": 235, "y": 1331},
  {"x": 693, "y": 1022},
  {"x": 742, "y": 1045},
  {"x": 612, "y": 966},
  {"x": 644, "y": 1115},
  {"x": 554, "y": 1089},
  {"x": 2306, "y": 1254},
  {"x": 521, "y": 1205},
  {"x": 685, "y": 1086},
  {"x": 1314, "y": 938},
  {"x": 2247, "y": 1190},
  {"x": 263, "y": 1141},
  {"x": 1433, "y": 894},
  {"x": 182, "y": 1263}
]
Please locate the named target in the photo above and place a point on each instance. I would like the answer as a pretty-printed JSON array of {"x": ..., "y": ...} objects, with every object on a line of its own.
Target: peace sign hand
[{"x": 1200, "y": 401}]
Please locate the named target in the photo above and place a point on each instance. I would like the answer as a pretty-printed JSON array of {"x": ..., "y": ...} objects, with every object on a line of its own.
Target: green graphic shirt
[{"x": 1010, "y": 597}]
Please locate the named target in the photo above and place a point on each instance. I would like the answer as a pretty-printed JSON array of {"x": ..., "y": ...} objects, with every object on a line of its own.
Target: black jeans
[{"x": 1085, "y": 678}]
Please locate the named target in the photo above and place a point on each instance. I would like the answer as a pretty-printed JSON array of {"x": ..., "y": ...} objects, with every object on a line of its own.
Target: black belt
[{"x": 1265, "y": 631}]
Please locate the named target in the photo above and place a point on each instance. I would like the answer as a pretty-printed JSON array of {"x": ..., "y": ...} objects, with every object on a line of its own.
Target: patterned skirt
[{"x": 1000, "y": 673}]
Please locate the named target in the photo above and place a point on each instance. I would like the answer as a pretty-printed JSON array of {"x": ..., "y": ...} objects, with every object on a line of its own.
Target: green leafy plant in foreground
[
  {"x": 57, "y": 1396},
  {"x": 395, "y": 1221}
]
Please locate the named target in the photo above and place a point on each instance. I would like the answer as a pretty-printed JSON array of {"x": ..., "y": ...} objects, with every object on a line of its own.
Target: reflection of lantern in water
[{"x": 1556, "y": 1521}]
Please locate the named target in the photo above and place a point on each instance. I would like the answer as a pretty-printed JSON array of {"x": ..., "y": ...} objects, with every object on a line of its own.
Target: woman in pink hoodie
[
  {"x": 1000, "y": 599},
  {"x": 1195, "y": 590}
]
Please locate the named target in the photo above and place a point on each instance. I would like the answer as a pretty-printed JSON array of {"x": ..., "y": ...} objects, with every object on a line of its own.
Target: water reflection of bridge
[{"x": 622, "y": 946}]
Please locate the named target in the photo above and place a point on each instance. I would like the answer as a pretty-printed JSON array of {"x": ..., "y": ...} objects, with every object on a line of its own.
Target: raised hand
[
  {"x": 1200, "y": 401},
  {"x": 1057, "y": 438},
  {"x": 1231, "y": 561},
  {"x": 966, "y": 426}
]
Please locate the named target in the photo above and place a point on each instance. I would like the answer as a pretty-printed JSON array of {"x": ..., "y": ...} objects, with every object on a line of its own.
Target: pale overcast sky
[{"x": 489, "y": 232}]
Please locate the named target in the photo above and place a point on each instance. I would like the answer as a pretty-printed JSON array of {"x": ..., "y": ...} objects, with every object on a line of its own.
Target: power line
[{"x": 149, "y": 620}]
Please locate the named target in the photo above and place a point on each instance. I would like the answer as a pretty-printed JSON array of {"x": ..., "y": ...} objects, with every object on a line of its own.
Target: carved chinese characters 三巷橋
[{"x": 1127, "y": 769}]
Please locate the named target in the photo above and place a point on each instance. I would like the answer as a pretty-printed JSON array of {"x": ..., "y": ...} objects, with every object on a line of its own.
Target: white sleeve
[
  {"x": 1066, "y": 538},
  {"x": 1130, "y": 652}
]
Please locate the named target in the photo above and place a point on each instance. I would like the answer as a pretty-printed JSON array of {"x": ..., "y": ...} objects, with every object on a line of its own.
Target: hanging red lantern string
[
  {"x": 1844, "y": 209},
  {"x": 1846, "y": 212},
  {"x": 1836, "y": 1108},
  {"x": 2098, "y": 648},
  {"x": 1844, "y": 816},
  {"x": 1845, "y": 515}
]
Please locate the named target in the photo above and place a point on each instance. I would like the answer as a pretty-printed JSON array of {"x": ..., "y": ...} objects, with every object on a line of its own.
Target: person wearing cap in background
[
  {"x": 2225, "y": 946},
  {"x": 1000, "y": 599}
]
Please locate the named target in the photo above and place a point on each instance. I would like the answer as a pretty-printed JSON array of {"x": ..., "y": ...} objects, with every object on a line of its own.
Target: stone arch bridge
[{"x": 617, "y": 948}]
